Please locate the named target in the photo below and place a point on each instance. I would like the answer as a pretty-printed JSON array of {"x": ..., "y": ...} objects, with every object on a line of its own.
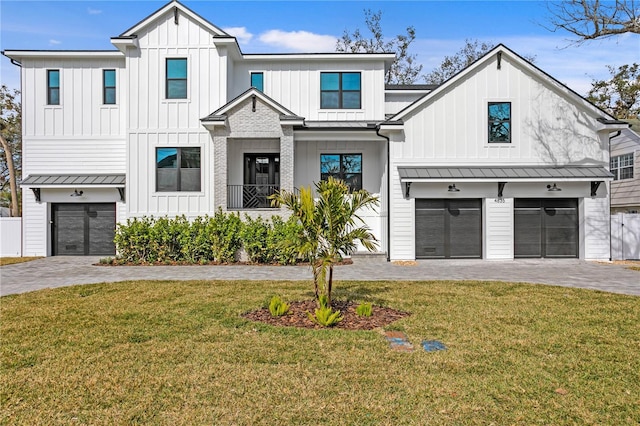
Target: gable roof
[
  {"x": 219, "y": 115},
  {"x": 500, "y": 50},
  {"x": 176, "y": 6}
]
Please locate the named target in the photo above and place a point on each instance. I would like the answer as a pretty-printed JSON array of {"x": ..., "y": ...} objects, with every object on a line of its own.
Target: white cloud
[
  {"x": 53, "y": 42},
  {"x": 241, "y": 33},
  {"x": 91, "y": 11},
  {"x": 299, "y": 41}
]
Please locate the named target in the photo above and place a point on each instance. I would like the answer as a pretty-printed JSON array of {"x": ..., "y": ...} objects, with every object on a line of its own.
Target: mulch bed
[{"x": 297, "y": 316}]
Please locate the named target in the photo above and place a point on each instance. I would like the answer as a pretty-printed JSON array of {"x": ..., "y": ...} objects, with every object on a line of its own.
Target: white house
[{"x": 501, "y": 161}]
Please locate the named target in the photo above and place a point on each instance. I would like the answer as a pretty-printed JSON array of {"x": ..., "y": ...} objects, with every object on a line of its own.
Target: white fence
[
  {"x": 10, "y": 236},
  {"x": 625, "y": 236}
]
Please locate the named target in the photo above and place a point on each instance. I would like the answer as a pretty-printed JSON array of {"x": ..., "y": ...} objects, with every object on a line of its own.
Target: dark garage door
[
  {"x": 448, "y": 228},
  {"x": 546, "y": 227},
  {"x": 83, "y": 229}
]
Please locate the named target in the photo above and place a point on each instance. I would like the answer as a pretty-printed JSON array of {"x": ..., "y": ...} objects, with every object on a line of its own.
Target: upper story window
[
  {"x": 108, "y": 87},
  {"x": 53, "y": 87},
  {"x": 176, "y": 78},
  {"x": 347, "y": 167},
  {"x": 499, "y": 122},
  {"x": 622, "y": 167},
  {"x": 177, "y": 169},
  {"x": 257, "y": 80},
  {"x": 340, "y": 90}
]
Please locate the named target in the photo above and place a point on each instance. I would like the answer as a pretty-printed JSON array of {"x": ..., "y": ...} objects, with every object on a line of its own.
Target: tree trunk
[
  {"x": 330, "y": 284},
  {"x": 15, "y": 211}
]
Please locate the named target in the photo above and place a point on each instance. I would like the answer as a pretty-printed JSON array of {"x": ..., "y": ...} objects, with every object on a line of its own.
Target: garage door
[
  {"x": 546, "y": 228},
  {"x": 448, "y": 228},
  {"x": 83, "y": 229}
]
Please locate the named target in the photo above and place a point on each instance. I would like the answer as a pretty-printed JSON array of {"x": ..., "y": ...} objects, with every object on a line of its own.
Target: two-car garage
[{"x": 453, "y": 228}]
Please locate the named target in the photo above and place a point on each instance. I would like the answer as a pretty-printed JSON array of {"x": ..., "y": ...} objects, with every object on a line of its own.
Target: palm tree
[{"x": 331, "y": 227}]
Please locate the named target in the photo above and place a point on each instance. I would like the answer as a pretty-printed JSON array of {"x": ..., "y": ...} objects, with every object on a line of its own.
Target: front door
[{"x": 261, "y": 179}]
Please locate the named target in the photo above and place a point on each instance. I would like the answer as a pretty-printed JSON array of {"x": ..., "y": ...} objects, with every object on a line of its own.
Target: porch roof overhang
[
  {"x": 74, "y": 180},
  {"x": 503, "y": 174}
]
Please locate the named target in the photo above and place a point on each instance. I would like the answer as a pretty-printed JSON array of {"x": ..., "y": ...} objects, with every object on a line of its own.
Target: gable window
[
  {"x": 53, "y": 87},
  {"x": 176, "y": 78},
  {"x": 340, "y": 90},
  {"x": 257, "y": 80},
  {"x": 347, "y": 167},
  {"x": 499, "y": 122},
  {"x": 177, "y": 169},
  {"x": 622, "y": 167},
  {"x": 109, "y": 87}
]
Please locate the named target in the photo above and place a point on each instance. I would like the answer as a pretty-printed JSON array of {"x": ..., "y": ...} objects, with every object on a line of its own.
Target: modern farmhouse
[{"x": 499, "y": 162}]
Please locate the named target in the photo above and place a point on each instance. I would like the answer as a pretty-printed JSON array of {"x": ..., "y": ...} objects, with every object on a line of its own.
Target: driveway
[{"x": 63, "y": 271}]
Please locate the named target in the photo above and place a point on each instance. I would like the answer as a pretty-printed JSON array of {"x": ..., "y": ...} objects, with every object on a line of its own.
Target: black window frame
[
  {"x": 256, "y": 73},
  {"x": 173, "y": 79},
  {"x": 341, "y": 174},
  {"x": 619, "y": 171},
  {"x": 492, "y": 122},
  {"x": 53, "y": 89},
  {"x": 341, "y": 91},
  {"x": 179, "y": 169},
  {"x": 108, "y": 89}
]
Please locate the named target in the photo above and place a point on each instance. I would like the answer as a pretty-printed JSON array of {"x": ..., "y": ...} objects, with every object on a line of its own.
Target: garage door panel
[
  {"x": 546, "y": 228},
  {"x": 83, "y": 229},
  {"x": 448, "y": 228}
]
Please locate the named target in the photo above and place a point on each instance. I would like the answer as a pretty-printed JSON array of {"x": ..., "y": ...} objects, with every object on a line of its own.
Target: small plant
[
  {"x": 106, "y": 261},
  {"x": 277, "y": 307},
  {"x": 364, "y": 310},
  {"x": 325, "y": 316}
]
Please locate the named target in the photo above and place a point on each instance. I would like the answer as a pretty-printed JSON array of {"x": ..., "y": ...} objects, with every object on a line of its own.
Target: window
[
  {"x": 347, "y": 167},
  {"x": 109, "y": 87},
  {"x": 177, "y": 169},
  {"x": 257, "y": 80},
  {"x": 340, "y": 90},
  {"x": 499, "y": 122},
  {"x": 622, "y": 167},
  {"x": 176, "y": 78},
  {"x": 53, "y": 87}
]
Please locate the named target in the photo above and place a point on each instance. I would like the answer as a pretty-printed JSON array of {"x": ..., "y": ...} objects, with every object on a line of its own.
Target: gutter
[{"x": 389, "y": 192}]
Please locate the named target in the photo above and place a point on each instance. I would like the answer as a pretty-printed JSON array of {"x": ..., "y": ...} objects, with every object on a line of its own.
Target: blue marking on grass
[{"x": 433, "y": 345}]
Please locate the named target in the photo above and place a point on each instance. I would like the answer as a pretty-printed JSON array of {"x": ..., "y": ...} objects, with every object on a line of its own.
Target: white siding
[
  {"x": 498, "y": 225},
  {"x": 595, "y": 225},
  {"x": 295, "y": 84},
  {"x": 73, "y": 155},
  {"x": 35, "y": 229}
]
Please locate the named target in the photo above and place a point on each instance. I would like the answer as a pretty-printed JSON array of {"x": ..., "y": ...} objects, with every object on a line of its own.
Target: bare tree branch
[{"x": 592, "y": 19}]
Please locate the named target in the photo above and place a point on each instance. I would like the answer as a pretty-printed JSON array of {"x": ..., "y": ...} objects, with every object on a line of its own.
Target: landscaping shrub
[
  {"x": 364, "y": 309},
  {"x": 277, "y": 307},
  {"x": 271, "y": 241}
]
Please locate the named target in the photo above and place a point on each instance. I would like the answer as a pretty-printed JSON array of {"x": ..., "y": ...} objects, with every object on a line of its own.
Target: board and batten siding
[
  {"x": 547, "y": 128},
  {"x": 81, "y": 112},
  {"x": 296, "y": 86}
]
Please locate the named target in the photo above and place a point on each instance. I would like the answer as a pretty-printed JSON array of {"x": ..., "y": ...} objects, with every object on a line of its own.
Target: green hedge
[{"x": 207, "y": 239}]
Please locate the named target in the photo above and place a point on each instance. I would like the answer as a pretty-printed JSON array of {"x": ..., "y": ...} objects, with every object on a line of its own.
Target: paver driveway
[{"x": 64, "y": 271}]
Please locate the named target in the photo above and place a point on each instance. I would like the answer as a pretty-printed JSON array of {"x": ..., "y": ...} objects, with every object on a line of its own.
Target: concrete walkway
[{"x": 64, "y": 271}]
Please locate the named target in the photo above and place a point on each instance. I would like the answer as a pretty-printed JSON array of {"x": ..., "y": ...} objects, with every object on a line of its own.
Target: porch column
[
  {"x": 220, "y": 169},
  {"x": 286, "y": 159}
]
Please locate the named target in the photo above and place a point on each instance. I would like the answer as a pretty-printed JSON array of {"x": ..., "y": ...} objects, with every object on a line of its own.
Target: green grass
[
  {"x": 12, "y": 260},
  {"x": 179, "y": 353}
]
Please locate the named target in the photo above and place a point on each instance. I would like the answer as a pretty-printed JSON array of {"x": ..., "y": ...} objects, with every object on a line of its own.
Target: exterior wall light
[
  {"x": 452, "y": 188},
  {"x": 76, "y": 193},
  {"x": 553, "y": 188}
]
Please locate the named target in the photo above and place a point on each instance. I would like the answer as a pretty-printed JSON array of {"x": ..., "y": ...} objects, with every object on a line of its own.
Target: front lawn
[
  {"x": 13, "y": 260},
  {"x": 177, "y": 353}
]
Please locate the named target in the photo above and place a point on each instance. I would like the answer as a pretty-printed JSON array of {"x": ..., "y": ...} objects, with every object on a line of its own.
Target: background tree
[
  {"x": 620, "y": 95},
  {"x": 471, "y": 51},
  {"x": 330, "y": 227},
  {"x": 11, "y": 145},
  {"x": 592, "y": 19},
  {"x": 404, "y": 69}
]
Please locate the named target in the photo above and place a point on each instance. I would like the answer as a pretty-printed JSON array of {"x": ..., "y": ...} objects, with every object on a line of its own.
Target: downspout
[
  {"x": 618, "y": 133},
  {"x": 388, "y": 192}
]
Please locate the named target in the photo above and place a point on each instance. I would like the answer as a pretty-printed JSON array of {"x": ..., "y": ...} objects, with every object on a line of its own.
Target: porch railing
[{"x": 253, "y": 196}]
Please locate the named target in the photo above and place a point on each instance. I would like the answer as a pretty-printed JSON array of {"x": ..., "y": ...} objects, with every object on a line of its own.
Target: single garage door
[
  {"x": 448, "y": 228},
  {"x": 546, "y": 227},
  {"x": 83, "y": 229}
]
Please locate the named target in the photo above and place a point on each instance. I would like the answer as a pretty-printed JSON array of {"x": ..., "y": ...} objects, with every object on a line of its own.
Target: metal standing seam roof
[
  {"x": 74, "y": 180},
  {"x": 503, "y": 173}
]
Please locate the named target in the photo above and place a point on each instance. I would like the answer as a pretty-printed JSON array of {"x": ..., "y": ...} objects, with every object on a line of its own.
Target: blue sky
[{"x": 313, "y": 26}]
